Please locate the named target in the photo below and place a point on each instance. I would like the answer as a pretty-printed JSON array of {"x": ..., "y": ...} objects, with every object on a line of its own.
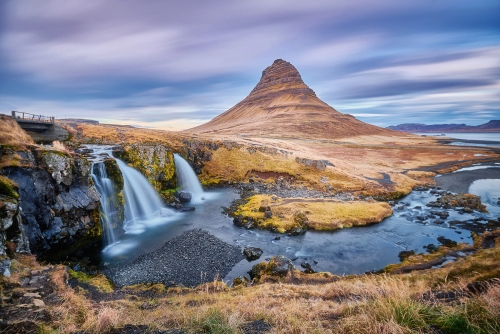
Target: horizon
[{"x": 169, "y": 66}]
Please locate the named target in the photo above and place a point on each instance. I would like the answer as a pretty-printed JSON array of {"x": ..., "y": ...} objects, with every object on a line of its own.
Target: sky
[{"x": 177, "y": 64}]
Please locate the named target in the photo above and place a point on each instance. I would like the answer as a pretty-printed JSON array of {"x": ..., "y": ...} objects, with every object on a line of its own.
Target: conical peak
[{"x": 280, "y": 75}]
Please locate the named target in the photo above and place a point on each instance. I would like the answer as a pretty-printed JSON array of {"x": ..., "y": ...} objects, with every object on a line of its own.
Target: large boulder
[
  {"x": 184, "y": 196},
  {"x": 278, "y": 266}
]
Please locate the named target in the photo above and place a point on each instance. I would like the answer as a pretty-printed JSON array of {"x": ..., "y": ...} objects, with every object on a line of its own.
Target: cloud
[{"x": 157, "y": 62}]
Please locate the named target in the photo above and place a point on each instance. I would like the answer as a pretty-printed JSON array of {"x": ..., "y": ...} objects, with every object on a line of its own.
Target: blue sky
[{"x": 178, "y": 64}]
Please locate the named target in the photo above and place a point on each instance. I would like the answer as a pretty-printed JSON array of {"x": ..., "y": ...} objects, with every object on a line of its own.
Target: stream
[{"x": 357, "y": 250}]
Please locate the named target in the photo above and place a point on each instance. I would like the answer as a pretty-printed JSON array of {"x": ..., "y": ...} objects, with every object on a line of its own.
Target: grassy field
[{"x": 316, "y": 214}]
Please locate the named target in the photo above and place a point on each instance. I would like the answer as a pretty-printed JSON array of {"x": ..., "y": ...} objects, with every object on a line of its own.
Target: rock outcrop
[
  {"x": 57, "y": 206},
  {"x": 155, "y": 162},
  {"x": 282, "y": 105}
]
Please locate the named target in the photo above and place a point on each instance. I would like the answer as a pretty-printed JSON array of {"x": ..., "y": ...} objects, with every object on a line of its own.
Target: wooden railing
[{"x": 27, "y": 117}]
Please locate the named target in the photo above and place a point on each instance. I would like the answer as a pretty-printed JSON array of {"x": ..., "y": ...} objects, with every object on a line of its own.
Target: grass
[
  {"x": 12, "y": 134},
  {"x": 8, "y": 187},
  {"x": 317, "y": 214},
  {"x": 238, "y": 164},
  {"x": 351, "y": 304}
]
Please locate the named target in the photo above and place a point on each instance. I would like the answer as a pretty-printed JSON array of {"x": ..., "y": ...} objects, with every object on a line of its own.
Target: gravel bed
[
  {"x": 190, "y": 259},
  {"x": 460, "y": 182}
]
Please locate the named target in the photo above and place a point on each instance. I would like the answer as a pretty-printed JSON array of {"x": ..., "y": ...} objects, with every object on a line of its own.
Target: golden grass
[
  {"x": 353, "y": 304},
  {"x": 321, "y": 214},
  {"x": 238, "y": 164},
  {"x": 12, "y": 134}
]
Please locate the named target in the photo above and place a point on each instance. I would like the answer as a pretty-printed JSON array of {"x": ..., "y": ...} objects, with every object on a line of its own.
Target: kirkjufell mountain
[{"x": 282, "y": 105}]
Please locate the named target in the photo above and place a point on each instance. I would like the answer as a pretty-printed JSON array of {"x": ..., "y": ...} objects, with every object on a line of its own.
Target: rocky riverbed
[{"x": 190, "y": 259}]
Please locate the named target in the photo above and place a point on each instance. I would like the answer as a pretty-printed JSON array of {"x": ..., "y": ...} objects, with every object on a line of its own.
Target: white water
[
  {"x": 106, "y": 189},
  {"x": 143, "y": 206},
  {"x": 187, "y": 179}
]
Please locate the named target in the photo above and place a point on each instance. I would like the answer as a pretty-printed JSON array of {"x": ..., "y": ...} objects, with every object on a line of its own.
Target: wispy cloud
[{"x": 176, "y": 65}]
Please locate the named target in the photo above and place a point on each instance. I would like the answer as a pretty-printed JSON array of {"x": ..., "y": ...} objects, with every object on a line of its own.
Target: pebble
[
  {"x": 38, "y": 303},
  {"x": 190, "y": 259}
]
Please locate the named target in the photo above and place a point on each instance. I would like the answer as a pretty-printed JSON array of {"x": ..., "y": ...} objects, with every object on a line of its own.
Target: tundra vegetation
[{"x": 458, "y": 297}]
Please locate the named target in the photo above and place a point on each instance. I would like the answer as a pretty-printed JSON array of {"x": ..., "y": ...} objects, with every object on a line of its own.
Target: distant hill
[
  {"x": 491, "y": 126},
  {"x": 282, "y": 105}
]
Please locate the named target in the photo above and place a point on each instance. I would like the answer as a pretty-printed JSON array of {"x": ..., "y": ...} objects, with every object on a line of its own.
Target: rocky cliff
[
  {"x": 54, "y": 204},
  {"x": 282, "y": 105}
]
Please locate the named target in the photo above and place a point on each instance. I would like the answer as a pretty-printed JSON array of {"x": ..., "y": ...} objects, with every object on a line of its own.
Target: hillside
[
  {"x": 282, "y": 105},
  {"x": 491, "y": 126}
]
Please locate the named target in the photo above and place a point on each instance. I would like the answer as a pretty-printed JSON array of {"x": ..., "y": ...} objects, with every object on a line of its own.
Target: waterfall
[
  {"x": 187, "y": 179},
  {"x": 106, "y": 190},
  {"x": 142, "y": 203}
]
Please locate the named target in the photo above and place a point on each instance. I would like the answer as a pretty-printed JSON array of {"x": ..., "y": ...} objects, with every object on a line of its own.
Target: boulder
[
  {"x": 279, "y": 266},
  {"x": 184, "y": 196},
  {"x": 308, "y": 268},
  {"x": 252, "y": 253}
]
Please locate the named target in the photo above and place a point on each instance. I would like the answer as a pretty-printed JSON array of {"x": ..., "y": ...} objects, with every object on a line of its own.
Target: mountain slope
[{"x": 282, "y": 105}]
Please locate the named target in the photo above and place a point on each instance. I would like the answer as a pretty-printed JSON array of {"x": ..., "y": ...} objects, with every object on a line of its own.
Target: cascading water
[
  {"x": 142, "y": 203},
  {"x": 187, "y": 179},
  {"x": 106, "y": 190}
]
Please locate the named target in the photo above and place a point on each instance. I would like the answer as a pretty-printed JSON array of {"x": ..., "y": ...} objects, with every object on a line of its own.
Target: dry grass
[
  {"x": 321, "y": 214},
  {"x": 57, "y": 145},
  {"x": 12, "y": 134},
  {"x": 238, "y": 164},
  {"x": 355, "y": 304}
]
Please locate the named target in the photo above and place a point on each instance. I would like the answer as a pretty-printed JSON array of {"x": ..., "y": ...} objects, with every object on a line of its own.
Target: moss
[
  {"x": 98, "y": 281},
  {"x": 290, "y": 214},
  {"x": 114, "y": 173},
  {"x": 8, "y": 188}
]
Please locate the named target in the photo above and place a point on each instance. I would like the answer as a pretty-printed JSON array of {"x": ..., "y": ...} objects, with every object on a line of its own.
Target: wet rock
[
  {"x": 184, "y": 196},
  {"x": 277, "y": 237},
  {"x": 403, "y": 255},
  {"x": 440, "y": 214},
  {"x": 446, "y": 242},
  {"x": 430, "y": 248},
  {"x": 188, "y": 208},
  {"x": 252, "y": 253},
  {"x": 308, "y": 268},
  {"x": 439, "y": 221}
]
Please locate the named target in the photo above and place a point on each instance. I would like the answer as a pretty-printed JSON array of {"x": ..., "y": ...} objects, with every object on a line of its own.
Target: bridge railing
[{"x": 27, "y": 117}]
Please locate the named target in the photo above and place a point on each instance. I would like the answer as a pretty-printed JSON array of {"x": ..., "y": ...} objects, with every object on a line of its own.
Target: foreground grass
[
  {"x": 298, "y": 303},
  {"x": 317, "y": 214}
]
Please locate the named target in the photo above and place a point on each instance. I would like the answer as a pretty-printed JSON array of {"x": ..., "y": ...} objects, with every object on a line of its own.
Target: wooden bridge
[{"x": 41, "y": 128}]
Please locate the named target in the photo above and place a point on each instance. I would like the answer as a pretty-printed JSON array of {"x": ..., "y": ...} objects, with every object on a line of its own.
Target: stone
[
  {"x": 38, "y": 303},
  {"x": 32, "y": 295},
  {"x": 252, "y": 253},
  {"x": 5, "y": 267},
  {"x": 308, "y": 268},
  {"x": 184, "y": 196},
  {"x": 268, "y": 214},
  {"x": 279, "y": 266},
  {"x": 187, "y": 208}
]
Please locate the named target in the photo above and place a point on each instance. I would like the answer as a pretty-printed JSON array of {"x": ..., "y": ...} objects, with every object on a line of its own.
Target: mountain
[
  {"x": 491, "y": 126},
  {"x": 282, "y": 105}
]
